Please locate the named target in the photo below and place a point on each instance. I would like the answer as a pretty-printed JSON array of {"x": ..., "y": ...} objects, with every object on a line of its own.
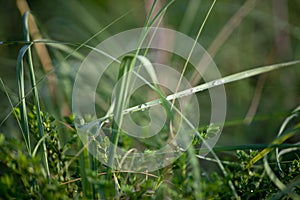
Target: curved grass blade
[
  {"x": 281, "y": 137},
  {"x": 150, "y": 69},
  {"x": 121, "y": 100},
  {"x": 287, "y": 190},
  {"x": 212, "y": 84},
  {"x": 264, "y": 152},
  {"x": 283, "y": 126},
  {"x": 20, "y": 74},
  {"x": 21, "y": 91},
  {"x": 277, "y": 182}
]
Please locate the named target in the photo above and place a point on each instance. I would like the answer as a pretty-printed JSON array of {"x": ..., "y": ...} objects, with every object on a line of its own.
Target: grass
[{"x": 37, "y": 124}]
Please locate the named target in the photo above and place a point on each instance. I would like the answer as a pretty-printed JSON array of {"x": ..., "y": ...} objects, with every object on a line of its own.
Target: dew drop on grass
[
  {"x": 218, "y": 82},
  {"x": 143, "y": 107},
  {"x": 192, "y": 91},
  {"x": 80, "y": 121}
]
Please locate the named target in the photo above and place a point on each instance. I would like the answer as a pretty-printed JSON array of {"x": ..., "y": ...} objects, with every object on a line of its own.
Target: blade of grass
[
  {"x": 223, "y": 35},
  {"x": 202, "y": 87},
  {"x": 83, "y": 164},
  {"x": 189, "y": 15},
  {"x": 151, "y": 11},
  {"x": 35, "y": 93},
  {"x": 193, "y": 47},
  {"x": 250, "y": 146},
  {"x": 287, "y": 190},
  {"x": 14, "y": 111},
  {"x": 277, "y": 141},
  {"x": 194, "y": 161},
  {"x": 283, "y": 126},
  {"x": 211, "y": 84},
  {"x": 99, "y": 32},
  {"x": 21, "y": 89},
  {"x": 41, "y": 140},
  {"x": 159, "y": 13},
  {"x": 119, "y": 104},
  {"x": 40, "y": 48},
  {"x": 277, "y": 182}
]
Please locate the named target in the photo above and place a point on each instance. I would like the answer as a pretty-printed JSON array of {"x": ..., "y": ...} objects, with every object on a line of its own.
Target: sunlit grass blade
[
  {"x": 281, "y": 137},
  {"x": 264, "y": 152},
  {"x": 282, "y": 146},
  {"x": 212, "y": 84}
]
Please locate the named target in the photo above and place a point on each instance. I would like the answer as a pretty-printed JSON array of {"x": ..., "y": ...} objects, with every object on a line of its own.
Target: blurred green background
[{"x": 268, "y": 33}]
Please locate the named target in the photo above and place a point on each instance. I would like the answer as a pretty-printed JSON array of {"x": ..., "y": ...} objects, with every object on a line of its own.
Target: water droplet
[
  {"x": 107, "y": 121},
  {"x": 143, "y": 107},
  {"x": 218, "y": 82},
  {"x": 79, "y": 121}
]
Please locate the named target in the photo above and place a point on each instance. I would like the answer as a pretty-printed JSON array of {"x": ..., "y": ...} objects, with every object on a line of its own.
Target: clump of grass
[{"x": 69, "y": 171}]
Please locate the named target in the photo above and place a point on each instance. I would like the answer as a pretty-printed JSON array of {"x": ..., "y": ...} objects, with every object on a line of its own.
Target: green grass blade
[
  {"x": 283, "y": 126},
  {"x": 160, "y": 12},
  {"x": 125, "y": 67},
  {"x": 277, "y": 182},
  {"x": 13, "y": 110},
  {"x": 193, "y": 47},
  {"x": 264, "y": 152},
  {"x": 155, "y": 87},
  {"x": 21, "y": 90},
  {"x": 83, "y": 164},
  {"x": 41, "y": 140},
  {"x": 212, "y": 84},
  {"x": 190, "y": 15},
  {"x": 35, "y": 92},
  {"x": 150, "y": 13},
  {"x": 99, "y": 32}
]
